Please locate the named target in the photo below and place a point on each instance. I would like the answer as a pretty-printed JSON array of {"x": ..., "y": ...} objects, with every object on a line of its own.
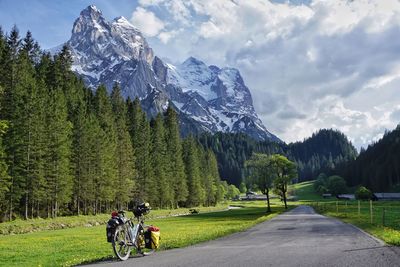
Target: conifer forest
[{"x": 66, "y": 149}]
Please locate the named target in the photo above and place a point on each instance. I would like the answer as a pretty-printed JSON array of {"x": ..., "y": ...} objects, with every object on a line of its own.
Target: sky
[{"x": 309, "y": 64}]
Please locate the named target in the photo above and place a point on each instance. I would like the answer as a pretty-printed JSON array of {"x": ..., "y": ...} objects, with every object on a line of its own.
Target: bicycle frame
[{"x": 133, "y": 230}]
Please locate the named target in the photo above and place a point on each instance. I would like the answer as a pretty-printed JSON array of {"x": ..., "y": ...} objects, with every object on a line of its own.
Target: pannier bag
[
  {"x": 110, "y": 228},
  {"x": 112, "y": 225},
  {"x": 152, "y": 237}
]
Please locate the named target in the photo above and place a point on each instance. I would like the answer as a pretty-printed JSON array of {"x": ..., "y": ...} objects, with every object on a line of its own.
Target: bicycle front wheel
[{"x": 121, "y": 243}]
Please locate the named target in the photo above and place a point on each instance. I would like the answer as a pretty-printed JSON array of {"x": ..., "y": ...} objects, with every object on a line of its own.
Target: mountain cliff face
[{"x": 208, "y": 98}]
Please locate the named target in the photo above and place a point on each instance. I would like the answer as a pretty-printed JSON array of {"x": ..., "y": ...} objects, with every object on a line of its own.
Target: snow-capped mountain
[{"x": 208, "y": 98}]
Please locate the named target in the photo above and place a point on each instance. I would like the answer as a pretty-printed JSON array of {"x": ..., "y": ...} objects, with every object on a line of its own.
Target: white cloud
[
  {"x": 147, "y": 22},
  {"x": 166, "y": 36},
  {"x": 318, "y": 65}
]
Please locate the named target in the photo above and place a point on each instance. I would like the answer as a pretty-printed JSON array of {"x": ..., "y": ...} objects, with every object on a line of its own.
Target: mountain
[
  {"x": 320, "y": 153},
  {"x": 377, "y": 167},
  {"x": 208, "y": 98}
]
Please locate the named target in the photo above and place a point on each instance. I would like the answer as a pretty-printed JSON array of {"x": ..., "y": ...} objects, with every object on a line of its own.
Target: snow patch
[
  {"x": 228, "y": 77},
  {"x": 193, "y": 77}
]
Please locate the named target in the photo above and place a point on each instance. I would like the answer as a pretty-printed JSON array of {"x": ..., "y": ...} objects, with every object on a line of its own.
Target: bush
[
  {"x": 363, "y": 193},
  {"x": 322, "y": 189},
  {"x": 336, "y": 185},
  {"x": 321, "y": 183},
  {"x": 233, "y": 192},
  {"x": 243, "y": 188}
]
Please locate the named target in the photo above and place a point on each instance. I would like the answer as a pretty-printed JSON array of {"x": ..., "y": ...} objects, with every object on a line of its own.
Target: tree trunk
[
  {"x": 78, "y": 211},
  {"x": 266, "y": 192},
  {"x": 37, "y": 209},
  {"x": 11, "y": 200},
  {"x": 28, "y": 159},
  {"x": 12, "y": 189},
  {"x": 26, "y": 205},
  {"x": 284, "y": 196}
]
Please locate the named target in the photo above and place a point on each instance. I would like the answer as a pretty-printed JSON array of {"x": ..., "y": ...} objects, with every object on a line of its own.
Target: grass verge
[
  {"x": 20, "y": 226},
  {"x": 385, "y": 223},
  {"x": 66, "y": 247}
]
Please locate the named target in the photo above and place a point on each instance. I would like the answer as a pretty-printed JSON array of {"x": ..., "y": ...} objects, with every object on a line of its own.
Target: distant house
[
  {"x": 387, "y": 196},
  {"x": 346, "y": 196}
]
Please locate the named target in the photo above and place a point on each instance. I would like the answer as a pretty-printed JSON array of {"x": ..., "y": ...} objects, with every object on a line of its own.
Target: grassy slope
[
  {"x": 67, "y": 247},
  {"x": 348, "y": 212},
  {"x": 305, "y": 192}
]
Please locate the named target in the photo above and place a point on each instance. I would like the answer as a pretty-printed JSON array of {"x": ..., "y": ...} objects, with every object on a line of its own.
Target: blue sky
[
  {"x": 309, "y": 64},
  {"x": 51, "y": 21}
]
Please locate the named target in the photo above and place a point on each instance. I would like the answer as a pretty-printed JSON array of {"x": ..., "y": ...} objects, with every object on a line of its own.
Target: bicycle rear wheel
[
  {"x": 120, "y": 243},
  {"x": 141, "y": 246}
]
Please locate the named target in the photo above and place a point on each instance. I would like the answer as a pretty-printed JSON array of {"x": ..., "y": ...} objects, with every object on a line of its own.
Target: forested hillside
[
  {"x": 321, "y": 152},
  {"x": 377, "y": 167},
  {"x": 67, "y": 150}
]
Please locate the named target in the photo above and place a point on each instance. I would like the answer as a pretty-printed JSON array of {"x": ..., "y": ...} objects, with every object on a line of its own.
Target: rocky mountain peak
[
  {"x": 90, "y": 18},
  {"x": 208, "y": 98},
  {"x": 193, "y": 61}
]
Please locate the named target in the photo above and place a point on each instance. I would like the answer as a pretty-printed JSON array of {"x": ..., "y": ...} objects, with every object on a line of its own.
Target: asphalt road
[{"x": 299, "y": 237}]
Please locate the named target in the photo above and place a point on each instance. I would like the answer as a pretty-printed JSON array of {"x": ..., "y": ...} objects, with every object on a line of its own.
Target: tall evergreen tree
[
  {"x": 106, "y": 150},
  {"x": 139, "y": 130},
  {"x": 86, "y": 181},
  {"x": 193, "y": 173},
  {"x": 175, "y": 171},
  {"x": 211, "y": 178},
  {"x": 162, "y": 189},
  {"x": 32, "y": 48},
  {"x": 57, "y": 167},
  {"x": 23, "y": 140},
  {"x": 4, "y": 177},
  {"x": 124, "y": 151}
]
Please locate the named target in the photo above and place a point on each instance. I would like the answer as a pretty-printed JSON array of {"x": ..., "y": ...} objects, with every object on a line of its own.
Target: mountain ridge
[{"x": 208, "y": 98}]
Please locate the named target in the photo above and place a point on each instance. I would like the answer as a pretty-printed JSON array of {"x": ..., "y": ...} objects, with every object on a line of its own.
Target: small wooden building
[{"x": 387, "y": 196}]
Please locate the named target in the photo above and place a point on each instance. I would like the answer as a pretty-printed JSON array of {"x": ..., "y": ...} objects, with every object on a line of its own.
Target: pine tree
[
  {"x": 124, "y": 151},
  {"x": 106, "y": 151},
  {"x": 175, "y": 171},
  {"x": 139, "y": 130},
  {"x": 4, "y": 177},
  {"x": 81, "y": 152},
  {"x": 23, "y": 143},
  {"x": 193, "y": 173},
  {"x": 57, "y": 167},
  {"x": 162, "y": 192},
  {"x": 212, "y": 179},
  {"x": 86, "y": 181},
  {"x": 145, "y": 162},
  {"x": 32, "y": 48},
  {"x": 37, "y": 137}
]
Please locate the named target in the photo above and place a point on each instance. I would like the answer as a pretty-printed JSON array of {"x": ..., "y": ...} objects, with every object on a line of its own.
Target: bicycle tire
[
  {"x": 143, "y": 250},
  {"x": 120, "y": 243}
]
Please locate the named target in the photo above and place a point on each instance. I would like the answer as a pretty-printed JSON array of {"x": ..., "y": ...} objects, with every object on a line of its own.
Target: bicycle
[{"x": 126, "y": 235}]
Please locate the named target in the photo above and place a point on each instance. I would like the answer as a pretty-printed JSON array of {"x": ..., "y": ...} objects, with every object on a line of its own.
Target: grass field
[
  {"x": 20, "y": 226},
  {"x": 305, "y": 192},
  {"x": 66, "y": 247}
]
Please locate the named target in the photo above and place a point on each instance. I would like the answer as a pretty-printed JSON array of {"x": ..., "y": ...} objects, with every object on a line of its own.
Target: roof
[
  {"x": 348, "y": 196},
  {"x": 387, "y": 195}
]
